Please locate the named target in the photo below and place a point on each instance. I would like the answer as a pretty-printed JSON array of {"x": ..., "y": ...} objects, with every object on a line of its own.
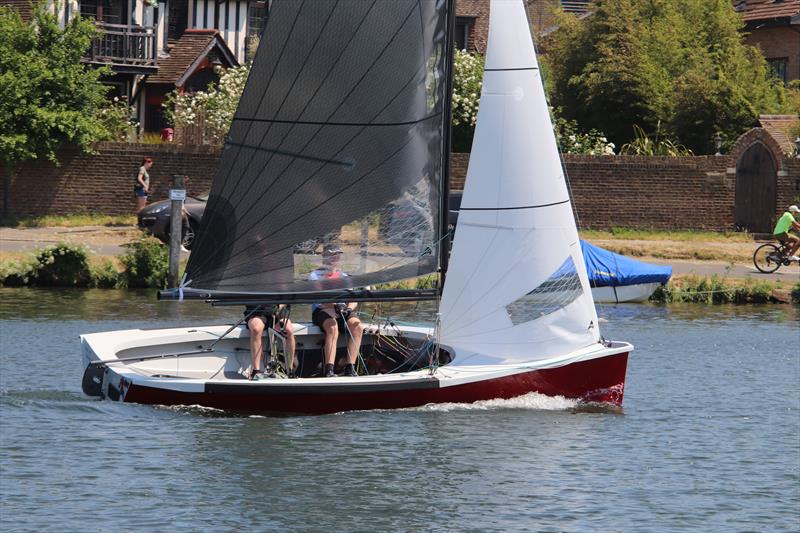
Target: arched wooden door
[{"x": 756, "y": 183}]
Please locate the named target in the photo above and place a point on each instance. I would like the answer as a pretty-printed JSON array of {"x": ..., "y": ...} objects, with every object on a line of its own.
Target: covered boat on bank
[{"x": 615, "y": 278}]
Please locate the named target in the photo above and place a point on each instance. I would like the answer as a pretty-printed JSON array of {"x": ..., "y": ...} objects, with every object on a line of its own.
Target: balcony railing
[
  {"x": 575, "y": 6},
  {"x": 124, "y": 45}
]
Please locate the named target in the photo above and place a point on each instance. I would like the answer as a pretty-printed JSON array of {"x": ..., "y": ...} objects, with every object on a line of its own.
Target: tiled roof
[
  {"x": 25, "y": 7},
  {"x": 780, "y": 127},
  {"x": 768, "y": 9},
  {"x": 187, "y": 52}
]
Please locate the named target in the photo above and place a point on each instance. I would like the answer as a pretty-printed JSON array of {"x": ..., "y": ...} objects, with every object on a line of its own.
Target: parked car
[{"x": 155, "y": 218}]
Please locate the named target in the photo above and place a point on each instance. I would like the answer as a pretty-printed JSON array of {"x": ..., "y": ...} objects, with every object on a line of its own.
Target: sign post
[{"x": 177, "y": 194}]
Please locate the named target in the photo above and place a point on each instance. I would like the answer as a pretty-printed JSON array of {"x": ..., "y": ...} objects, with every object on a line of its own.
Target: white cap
[{"x": 794, "y": 209}]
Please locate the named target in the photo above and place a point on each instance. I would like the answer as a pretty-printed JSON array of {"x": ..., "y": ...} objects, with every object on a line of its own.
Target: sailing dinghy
[{"x": 342, "y": 133}]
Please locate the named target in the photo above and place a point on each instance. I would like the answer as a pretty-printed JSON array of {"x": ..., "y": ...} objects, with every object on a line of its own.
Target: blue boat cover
[{"x": 607, "y": 269}]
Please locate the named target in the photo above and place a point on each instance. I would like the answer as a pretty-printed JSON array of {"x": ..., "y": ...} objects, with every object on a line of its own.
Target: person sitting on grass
[{"x": 786, "y": 224}]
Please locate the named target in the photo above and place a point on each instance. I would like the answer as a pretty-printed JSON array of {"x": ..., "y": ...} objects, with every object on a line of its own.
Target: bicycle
[{"x": 770, "y": 257}]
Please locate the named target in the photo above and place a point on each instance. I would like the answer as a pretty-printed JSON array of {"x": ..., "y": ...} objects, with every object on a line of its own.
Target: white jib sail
[{"x": 516, "y": 288}]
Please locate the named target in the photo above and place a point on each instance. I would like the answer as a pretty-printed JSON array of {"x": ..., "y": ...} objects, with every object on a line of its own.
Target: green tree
[
  {"x": 47, "y": 97},
  {"x": 680, "y": 63}
]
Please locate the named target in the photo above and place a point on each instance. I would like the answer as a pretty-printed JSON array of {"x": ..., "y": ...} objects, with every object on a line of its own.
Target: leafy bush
[
  {"x": 659, "y": 144},
  {"x": 572, "y": 141},
  {"x": 104, "y": 275},
  {"x": 17, "y": 272},
  {"x": 714, "y": 290},
  {"x": 467, "y": 84},
  {"x": 117, "y": 118},
  {"x": 146, "y": 264},
  {"x": 62, "y": 265}
]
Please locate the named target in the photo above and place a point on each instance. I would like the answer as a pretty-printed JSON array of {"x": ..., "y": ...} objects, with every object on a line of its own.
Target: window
[
  {"x": 256, "y": 20},
  {"x": 778, "y": 66},
  {"x": 462, "y": 29}
]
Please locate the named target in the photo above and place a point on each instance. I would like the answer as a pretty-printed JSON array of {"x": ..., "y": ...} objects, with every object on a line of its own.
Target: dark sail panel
[{"x": 338, "y": 139}]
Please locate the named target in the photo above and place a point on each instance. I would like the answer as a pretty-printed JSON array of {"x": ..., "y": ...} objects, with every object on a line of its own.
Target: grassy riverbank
[{"x": 144, "y": 264}]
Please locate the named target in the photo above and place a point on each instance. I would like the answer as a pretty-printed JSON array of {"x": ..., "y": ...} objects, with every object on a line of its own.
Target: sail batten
[{"x": 338, "y": 140}]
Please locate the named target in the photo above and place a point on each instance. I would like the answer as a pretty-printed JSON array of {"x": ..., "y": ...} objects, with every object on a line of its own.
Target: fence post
[{"x": 177, "y": 194}]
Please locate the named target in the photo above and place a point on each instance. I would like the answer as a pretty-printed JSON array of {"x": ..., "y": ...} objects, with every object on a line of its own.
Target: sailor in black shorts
[
  {"x": 258, "y": 320},
  {"x": 335, "y": 319}
]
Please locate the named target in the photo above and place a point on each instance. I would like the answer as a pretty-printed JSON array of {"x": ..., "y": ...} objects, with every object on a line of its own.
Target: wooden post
[{"x": 177, "y": 194}]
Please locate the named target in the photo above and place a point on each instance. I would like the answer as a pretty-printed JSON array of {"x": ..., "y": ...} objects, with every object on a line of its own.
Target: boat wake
[
  {"x": 531, "y": 401},
  {"x": 50, "y": 400},
  {"x": 200, "y": 410}
]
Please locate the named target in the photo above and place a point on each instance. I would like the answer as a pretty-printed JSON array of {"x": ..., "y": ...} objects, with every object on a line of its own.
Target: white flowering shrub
[
  {"x": 572, "y": 141},
  {"x": 212, "y": 108},
  {"x": 117, "y": 119},
  {"x": 467, "y": 83}
]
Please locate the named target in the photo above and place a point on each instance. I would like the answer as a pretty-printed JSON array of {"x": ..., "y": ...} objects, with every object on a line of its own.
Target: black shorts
[
  {"x": 267, "y": 314},
  {"x": 319, "y": 316},
  {"x": 784, "y": 237}
]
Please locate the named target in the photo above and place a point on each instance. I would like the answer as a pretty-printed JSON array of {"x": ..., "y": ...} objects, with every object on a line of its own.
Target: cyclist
[{"x": 785, "y": 224}]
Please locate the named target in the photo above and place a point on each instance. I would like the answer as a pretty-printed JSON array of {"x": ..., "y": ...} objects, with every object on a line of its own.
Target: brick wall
[
  {"x": 659, "y": 192},
  {"x": 609, "y": 191},
  {"x": 478, "y": 10},
  {"x": 103, "y": 182}
]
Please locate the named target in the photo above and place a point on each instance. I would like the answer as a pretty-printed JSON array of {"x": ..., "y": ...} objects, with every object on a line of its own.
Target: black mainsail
[{"x": 340, "y": 137}]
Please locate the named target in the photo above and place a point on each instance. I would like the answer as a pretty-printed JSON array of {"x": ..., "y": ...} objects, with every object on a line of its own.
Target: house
[
  {"x": 156, "y": 46},
  {"x": 774, "y": 27},
  {"x": 472, "y": 19}
]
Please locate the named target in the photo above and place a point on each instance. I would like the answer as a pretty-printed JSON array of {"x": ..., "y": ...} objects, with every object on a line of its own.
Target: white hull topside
[
  {"x": 231, "y": 357},
  {"x": 624, "y": 293}
]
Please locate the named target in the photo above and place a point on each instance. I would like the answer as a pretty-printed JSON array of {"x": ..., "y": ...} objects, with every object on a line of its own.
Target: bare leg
[
  {"x": 356, "y": 330},
  {"x": 288, "y": 330},
  {"x": 331, "y": 336},
  {"x": 140, "y": 202},
  {"x": 256, "y": 326},
  {"x": 794, "y": 245}
]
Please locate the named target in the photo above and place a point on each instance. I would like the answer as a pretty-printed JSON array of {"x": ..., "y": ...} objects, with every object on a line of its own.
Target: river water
[{"x": 709, "y": 439}]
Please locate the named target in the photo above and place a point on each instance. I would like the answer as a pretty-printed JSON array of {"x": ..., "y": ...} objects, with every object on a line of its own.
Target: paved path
[
  {"x": 709, "y": 268},
  {"x": 103, "y": 240}
]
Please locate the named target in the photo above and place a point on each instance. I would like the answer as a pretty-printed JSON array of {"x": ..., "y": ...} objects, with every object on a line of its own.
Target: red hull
[{"x": 596, "y": 380}]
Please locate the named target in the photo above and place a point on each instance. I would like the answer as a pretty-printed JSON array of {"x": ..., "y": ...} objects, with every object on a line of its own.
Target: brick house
[
  {"x": 155, "y": 46},
  {"x": 774, "y": 27},
  {"x": 472, "y": 19}
]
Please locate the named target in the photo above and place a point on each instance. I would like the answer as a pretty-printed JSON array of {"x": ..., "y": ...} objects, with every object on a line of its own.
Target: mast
[{"x": 444, "y": 254}]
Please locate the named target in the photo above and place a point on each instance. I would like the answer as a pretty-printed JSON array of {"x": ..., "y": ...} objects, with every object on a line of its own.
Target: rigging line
[
  {"x": 513, "y": 208},
  {"x": 353, "y": 137},
  {"x": 311, "y": 98},
  {"x": 289, "y": 91},
  {"x": 346, "y": 124}
]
